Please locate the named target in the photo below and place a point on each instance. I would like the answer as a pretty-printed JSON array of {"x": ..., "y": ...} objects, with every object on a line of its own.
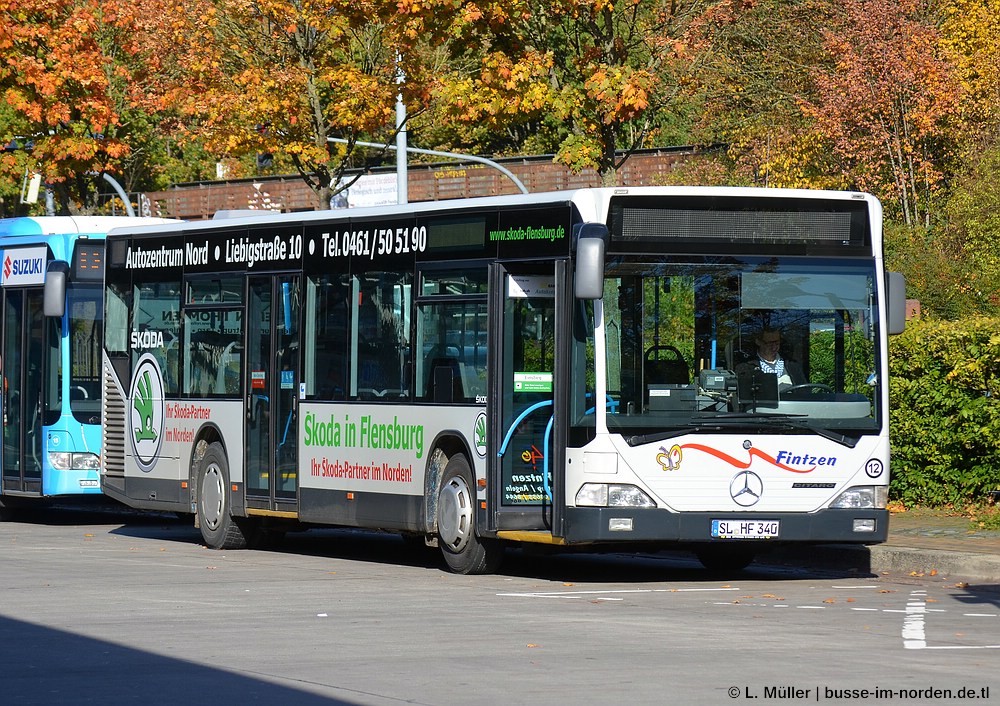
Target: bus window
[
  {"x": 326, "y": 320},
  {"x": 213, "y": 363},
  {"x": 217, "y": 289},
  {"x": 451, "y": 337},
  {"x": 651, "y": 343},
  {"x": 86, "y": 327},
  {"x": 380, "y": 335},
  {"x": 117, "y": 305},
  {"x": 156, "y": 327},
  {"x": 213, "y": 338}
]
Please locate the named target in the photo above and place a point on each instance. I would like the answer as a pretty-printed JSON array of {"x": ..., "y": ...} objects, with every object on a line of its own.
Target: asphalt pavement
[
  {"x": 927, "y": 543},
  {"x": 920, "y": 543}
]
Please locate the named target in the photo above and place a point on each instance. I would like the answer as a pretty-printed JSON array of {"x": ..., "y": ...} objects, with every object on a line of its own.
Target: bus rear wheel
[
  {"x": 218, "y": 527},
  {"x": 464, "y": 552}
]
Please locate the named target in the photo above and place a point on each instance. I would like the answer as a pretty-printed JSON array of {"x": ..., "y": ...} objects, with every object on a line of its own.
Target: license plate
[
  {"x": 745, "y": 529},
  {"x": 89, "y": 484}
]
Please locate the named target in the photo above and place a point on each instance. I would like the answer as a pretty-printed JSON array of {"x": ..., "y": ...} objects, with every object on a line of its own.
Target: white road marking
[
  {"x": 914, "y": 635},
  {"x": 585, "y": 594}
]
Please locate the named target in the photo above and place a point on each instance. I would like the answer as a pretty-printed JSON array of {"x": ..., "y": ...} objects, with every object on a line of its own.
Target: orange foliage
[
  {"x": 601, "y": 68},
  {"x": 282, "y": 77},
  {"x": 885, "y": 102},
  {"x": 62, "y": 75}
]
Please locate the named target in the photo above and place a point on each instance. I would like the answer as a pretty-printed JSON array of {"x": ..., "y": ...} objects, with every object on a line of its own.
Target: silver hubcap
[
  {"x": 455, "y": 514},
  {"x": 212, "y": 496}
]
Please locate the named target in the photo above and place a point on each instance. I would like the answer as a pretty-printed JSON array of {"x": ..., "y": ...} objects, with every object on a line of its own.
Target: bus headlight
[
  {"x": 863, "y": 497},
  {"x": 612, "y": 495},
  {"x": 65, "y": 461}
]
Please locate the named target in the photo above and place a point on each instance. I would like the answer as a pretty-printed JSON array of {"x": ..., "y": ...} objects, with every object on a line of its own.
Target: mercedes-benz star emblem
[{"x": 746, "y": 488}]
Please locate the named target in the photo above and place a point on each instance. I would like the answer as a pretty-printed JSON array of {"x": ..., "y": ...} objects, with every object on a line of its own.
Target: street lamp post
[{"x": 454, "y": 155}]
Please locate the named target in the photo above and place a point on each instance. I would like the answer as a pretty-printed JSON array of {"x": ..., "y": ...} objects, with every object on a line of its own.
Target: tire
[
  {"x": 218, "y": 528},
  {"x": 727, "y": 558},
  {"x": 463, "y": 551}
]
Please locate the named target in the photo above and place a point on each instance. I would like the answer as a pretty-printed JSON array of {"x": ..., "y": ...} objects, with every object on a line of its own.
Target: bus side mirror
[
  {"x": 590, "y": 244},
  {"x": 895, "y": 286},
  {"x": 54, "y": 294}
]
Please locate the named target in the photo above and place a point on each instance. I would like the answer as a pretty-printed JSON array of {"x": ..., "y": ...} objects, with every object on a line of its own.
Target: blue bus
[{"x": 51, "y": 396}]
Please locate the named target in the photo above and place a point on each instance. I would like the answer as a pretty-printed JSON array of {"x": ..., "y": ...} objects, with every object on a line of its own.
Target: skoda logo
[
  {"x": 746, "y": 488},
  {"x": 146, "y": 412},
  {"x": 479, "y": 432}
]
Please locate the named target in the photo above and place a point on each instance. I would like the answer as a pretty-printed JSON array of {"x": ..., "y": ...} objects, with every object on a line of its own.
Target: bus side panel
[
  {"x": 185, "y": 423},
  {"x": 367, "y": 466},
  {"x": 157, "y": 476}
]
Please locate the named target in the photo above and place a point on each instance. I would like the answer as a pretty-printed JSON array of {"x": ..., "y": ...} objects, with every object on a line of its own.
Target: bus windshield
[
  {"x": 84, "y": 307},
  {"x": 784, "y": 343}
]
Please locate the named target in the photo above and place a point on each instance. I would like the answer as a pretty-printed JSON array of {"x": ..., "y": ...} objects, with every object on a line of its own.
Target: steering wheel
[{"x": 808, "y": 386}]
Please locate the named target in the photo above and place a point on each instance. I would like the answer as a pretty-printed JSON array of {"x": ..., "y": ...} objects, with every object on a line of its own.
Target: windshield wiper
[
  {"x": 640, "y": 439},
  {"x": 717, "y": 422},
  {"x": 842, "y": 439},
  {"x": 798, "y": 421},
  {"x": 726, "y": 421}
]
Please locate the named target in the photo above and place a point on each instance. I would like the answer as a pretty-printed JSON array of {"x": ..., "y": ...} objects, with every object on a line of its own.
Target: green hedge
[{"x": 944, "y": 398}]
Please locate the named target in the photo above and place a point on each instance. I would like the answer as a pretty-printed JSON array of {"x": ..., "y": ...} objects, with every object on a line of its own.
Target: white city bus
[{"x": 572, "y": 369}]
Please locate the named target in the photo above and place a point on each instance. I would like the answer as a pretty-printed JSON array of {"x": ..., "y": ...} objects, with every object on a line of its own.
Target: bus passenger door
[
  {"x": 272, "y": 389},
  {"x": 24, "y": 327},
  {"x": 525, "y": 453}
]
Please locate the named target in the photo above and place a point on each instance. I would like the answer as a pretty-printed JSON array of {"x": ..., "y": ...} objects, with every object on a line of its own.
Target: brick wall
[{"x": 425, "y": 183}]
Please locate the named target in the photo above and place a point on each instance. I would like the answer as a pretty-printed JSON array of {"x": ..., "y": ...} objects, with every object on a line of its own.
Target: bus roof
[
  {"x": 67, "y": 225},
  {"x": 587, "y": 200}
]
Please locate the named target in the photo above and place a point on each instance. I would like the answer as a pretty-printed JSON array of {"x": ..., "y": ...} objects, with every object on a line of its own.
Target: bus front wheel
[
  {"x": 218, "y": 527},
  {"x": 464, "y": 552}
]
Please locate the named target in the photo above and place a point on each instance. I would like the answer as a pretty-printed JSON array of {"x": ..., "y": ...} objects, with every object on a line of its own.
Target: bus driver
[{"x": 769, "y": 360}]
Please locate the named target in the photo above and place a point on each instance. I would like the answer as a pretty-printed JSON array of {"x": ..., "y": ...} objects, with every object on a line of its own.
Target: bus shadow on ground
[
  {"x": 41, "y": 665},
  {"x": 667, "y": 565},
  {"x": 386, "y": 548},
  {"x": 980, "y": 595},
  {"x": 78, "y": 511}
]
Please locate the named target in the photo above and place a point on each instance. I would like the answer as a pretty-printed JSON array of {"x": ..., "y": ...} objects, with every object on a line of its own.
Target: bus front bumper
[{"x": 585, "y": 525}]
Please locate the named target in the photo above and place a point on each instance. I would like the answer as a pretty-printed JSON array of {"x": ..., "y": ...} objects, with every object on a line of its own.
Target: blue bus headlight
[
  {"x": 863, "y": 497},
  {"x": 612, "y": 495},
  {"x": 66, "y": 461}
]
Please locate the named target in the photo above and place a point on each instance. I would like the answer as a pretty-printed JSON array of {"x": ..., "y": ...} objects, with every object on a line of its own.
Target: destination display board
[{"x": 387, "y": 241}]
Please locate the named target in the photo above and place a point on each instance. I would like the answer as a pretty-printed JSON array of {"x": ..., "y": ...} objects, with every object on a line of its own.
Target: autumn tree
[
  {"x": 62, "y": 80},
  {"x": 970, "y": 34},
  {"x": 751, "y": 87},
  {"x": 885, "y": 101},
  {"x": 282, "y": 76},
  {"x": 598, "y": 75},
  {"x": 15, "y": 162}
]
